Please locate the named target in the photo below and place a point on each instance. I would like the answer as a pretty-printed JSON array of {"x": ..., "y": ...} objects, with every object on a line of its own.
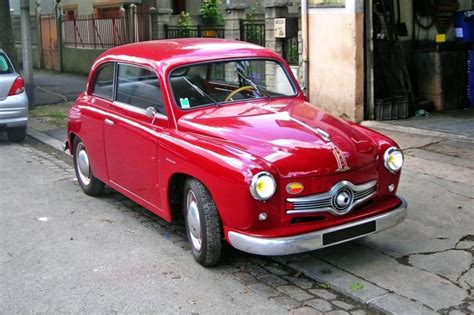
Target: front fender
[
  {"x": 224, "y": 170},
  {"x": 385, "y": 177}
]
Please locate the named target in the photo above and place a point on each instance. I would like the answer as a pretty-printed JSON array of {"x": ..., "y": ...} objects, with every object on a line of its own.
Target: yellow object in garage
[{"x": 440, "y": 38}]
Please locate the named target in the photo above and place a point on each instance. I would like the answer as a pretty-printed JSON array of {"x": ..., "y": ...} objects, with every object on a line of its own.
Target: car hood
[{"x": 295, "y": 136}]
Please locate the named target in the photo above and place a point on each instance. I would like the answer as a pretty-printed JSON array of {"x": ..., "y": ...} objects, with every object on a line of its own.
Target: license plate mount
[{"x": 349, "y": 233}]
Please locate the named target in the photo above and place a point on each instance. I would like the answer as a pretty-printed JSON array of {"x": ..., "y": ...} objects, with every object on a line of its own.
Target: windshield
[{"x": 218, "y": 83}]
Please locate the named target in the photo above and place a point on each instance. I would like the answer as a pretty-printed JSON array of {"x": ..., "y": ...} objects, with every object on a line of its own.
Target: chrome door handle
[{"x": 108, "y": 122}]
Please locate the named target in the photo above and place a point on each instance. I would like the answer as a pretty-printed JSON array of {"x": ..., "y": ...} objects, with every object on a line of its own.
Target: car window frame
[
  {"x": 96, "y": 75},
  {"x": 173, "y": 100},
  {"x": 131, "y": 107}
]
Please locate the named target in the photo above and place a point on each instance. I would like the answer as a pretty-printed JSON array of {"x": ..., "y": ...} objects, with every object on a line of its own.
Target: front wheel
[
  {"x": 203, "y": 225},
  {"x": 89, "y": 184}
]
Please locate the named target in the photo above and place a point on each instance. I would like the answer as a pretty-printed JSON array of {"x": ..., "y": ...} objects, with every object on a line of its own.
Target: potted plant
[{"x": 211, "y": 17}]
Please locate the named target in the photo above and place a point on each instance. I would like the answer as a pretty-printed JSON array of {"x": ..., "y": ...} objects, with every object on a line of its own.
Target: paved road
[
  {"x": 63, "y": 251},
  {"x": 57, "y": 87}
]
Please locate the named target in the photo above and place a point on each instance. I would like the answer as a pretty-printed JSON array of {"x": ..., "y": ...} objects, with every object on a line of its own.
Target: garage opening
[{"x": 420, "y": 64}]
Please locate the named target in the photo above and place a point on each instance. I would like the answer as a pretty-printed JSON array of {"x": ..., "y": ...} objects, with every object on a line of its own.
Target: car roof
[{"x": 170, "y": 52}]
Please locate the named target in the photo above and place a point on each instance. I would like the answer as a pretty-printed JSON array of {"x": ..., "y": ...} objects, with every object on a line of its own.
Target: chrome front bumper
[{"x": 318, "y": 239}]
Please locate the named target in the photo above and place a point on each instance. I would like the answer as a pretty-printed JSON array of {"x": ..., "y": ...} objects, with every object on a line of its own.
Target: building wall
[
  {"x": 84, "y": 7},
  {"x": 336, "y": 59}
]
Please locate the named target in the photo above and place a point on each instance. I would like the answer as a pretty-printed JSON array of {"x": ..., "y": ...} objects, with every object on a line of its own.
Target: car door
[
  {"x": 131, "y": 137},
  {"x": 93, "y": 109}
]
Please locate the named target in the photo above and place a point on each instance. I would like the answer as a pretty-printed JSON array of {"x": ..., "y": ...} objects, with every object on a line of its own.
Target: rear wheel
[
  {"x": 89, "y": 184},
  {"x": 16, "y": 134},
  {"x": 203, "y": 225}
]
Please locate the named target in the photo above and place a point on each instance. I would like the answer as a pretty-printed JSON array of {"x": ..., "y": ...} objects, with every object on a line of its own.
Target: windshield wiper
[
  {"x": 201, "y": 91},
  {"x": 254, "y": 85}
]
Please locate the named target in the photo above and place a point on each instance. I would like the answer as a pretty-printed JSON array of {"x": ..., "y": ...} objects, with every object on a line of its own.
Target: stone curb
[
  {"x": 416, "y": 131},
  {"x": 44, "y": 138},
  {"x": 365, "y": 292}
]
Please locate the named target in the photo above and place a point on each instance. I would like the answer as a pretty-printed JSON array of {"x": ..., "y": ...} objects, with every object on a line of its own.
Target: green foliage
[
  {"x": 211, "y": 12},
  {"x": 252, "y": 12},
  {"x": 184, "y": 24},
  {"x": 293, "y": 53},
  {"x": 184, "y": 20},
  {"x": 356, "y": 286}
]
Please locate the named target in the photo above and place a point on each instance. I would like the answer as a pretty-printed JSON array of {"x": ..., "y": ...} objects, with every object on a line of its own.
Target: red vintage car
[{"x": 219, "y": 132}]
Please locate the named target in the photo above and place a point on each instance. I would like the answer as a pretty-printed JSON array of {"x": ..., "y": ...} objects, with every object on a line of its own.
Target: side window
[
  {"x": 139, "y": 87},
  {"x": 104, "y": 82}
]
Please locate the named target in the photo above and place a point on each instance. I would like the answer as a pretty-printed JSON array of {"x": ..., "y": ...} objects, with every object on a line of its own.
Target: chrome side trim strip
[{"x": 314, "y": 240}]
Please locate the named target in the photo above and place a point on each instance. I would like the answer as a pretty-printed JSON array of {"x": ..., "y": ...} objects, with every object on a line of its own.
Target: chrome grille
[{"x": 328, "y": 201}]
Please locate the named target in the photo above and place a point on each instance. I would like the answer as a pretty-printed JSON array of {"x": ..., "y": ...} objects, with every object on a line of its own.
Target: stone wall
[{"x": 79, "y": 60}]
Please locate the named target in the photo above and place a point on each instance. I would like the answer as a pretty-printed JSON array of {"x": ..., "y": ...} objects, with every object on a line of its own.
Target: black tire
[
  {"x": 90, "y": 185},
  {"x": 16, "y": 134},
  {"x": 210, "y": 250}
]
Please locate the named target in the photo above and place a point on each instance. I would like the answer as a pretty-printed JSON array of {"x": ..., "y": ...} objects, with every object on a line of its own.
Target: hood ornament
[
  {"x": 323, "y": 134},
  {"x": 342, "y": 165}
]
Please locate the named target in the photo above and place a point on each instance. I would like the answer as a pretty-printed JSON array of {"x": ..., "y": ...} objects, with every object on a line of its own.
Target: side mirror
[{"x": 151, "y": 112}]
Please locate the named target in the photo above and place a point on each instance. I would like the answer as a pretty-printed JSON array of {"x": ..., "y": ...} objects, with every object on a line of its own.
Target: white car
[{"x": 13, "y": 101}]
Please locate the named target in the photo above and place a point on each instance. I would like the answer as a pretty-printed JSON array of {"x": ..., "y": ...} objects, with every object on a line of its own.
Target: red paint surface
[{"x": 224, "y": 147}]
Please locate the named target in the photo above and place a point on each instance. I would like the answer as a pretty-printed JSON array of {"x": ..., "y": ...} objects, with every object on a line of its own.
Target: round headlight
[
  {"x": 393, "y": 158},
  {"x": 263, "y": 186}
]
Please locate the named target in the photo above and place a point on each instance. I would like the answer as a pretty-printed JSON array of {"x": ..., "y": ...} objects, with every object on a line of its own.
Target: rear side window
[
  {"x": 5, "y": 66},
  {"x": 139, "y": 87},
  {"x": 104, "y": 82}
]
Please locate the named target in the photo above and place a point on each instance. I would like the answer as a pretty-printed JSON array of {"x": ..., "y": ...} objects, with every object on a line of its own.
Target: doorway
[{"x": 49, "y": 42}]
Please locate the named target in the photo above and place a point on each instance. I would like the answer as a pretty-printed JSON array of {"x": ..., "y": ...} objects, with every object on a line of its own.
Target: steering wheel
[{"x": 240, "y": 89}]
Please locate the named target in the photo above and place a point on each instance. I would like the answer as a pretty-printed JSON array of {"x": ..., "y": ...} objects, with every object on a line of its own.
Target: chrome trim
[
  {"x": 323, "y": 134},
  {"x": 194, "y": 221},
  {"x": 65, "y": 145},
  {"x": 323, "y": 202},
  {"x": 82, "y": 164},
  {"x": 253, "y": 191},
  {"x": 314, "y": 240},
  {"x": 108, "y": 121},
  {"x": 137, "y": 110}
]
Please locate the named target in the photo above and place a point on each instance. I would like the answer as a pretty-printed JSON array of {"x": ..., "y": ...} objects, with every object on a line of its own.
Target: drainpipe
[{"x": 304, "y": 35}]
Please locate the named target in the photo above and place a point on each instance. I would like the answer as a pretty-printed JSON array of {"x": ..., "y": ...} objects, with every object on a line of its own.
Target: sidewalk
[{"x": 422, "y": 266}]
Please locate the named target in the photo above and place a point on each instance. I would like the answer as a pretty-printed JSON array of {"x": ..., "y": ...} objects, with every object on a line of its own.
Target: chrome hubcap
[
  {"x": 83, "y": 166},
  {"x": 194, "y": 221}
]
